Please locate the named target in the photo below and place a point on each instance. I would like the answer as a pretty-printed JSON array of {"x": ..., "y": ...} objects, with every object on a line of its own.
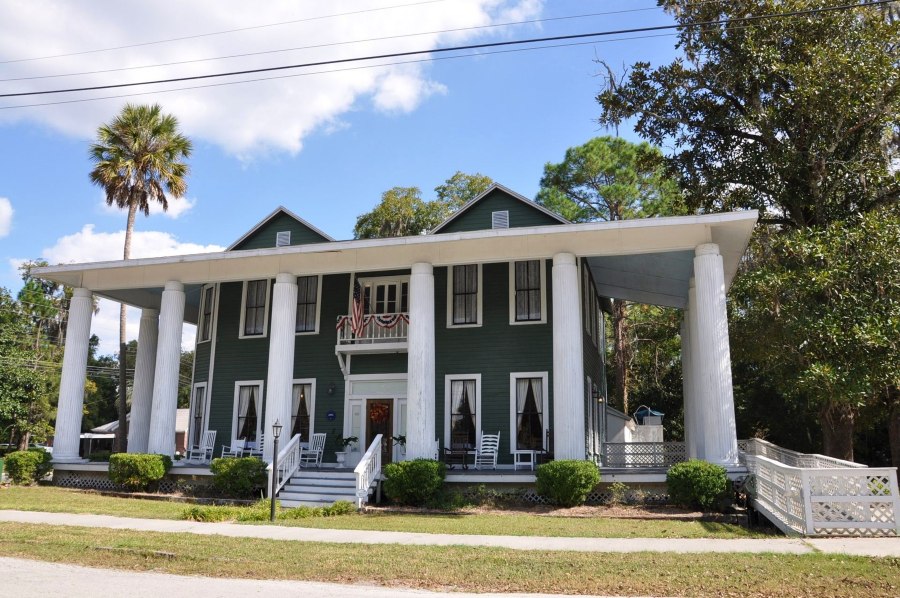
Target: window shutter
[
  {"x": 283, "y": 238},
  {"x": 500, "y": 219}
]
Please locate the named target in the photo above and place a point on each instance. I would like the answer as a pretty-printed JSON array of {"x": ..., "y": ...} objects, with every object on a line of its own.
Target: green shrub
[
  {"x": 414, "y": 482},
  {"x": 341, "y": 507},
  {"x": 101, "y": 456},
  {"x": 138, "y": 472},
  {"x": 567, "y": 483},
  {"x": 697, "y": 484},
  {"x": 241, "y": 477},
  {"x": 27, "y": 467},
  {"x": 211, "y": 514}
]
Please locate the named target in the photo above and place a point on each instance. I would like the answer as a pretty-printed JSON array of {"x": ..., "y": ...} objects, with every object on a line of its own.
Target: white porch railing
[
  {"x": 816, "y": 495},
  {"x": 642, "y": 454},
  {"x": 376, "y": 328},
  {"x": 367, "y": 471},
  {"x": 288, "y": 462}
]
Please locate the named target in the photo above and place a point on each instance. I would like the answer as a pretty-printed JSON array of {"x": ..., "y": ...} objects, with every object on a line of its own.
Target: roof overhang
[{"x": 646, "y": 260}]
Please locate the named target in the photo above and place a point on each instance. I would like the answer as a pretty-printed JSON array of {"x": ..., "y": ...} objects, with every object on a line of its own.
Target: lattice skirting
[
  {"x": 92, "y": 480},
  {"x": 647, "y": 494}
]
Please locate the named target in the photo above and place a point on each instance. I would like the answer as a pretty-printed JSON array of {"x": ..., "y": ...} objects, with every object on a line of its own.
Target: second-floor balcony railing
[{"x": 373, "y": 328}]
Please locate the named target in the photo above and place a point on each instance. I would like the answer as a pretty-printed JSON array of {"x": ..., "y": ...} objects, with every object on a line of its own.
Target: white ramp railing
[
  {"x": 815, "y": 495},
  {"x": 367, "y": 471},
  {"x": 288, "y": 462}
]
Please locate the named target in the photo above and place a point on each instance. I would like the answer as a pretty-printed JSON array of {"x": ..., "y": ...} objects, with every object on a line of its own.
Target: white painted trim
[
  {"x": 234, "y": 407},
  {"x": 479, "y": 299},
  {"x": 508, "y": 191},
  {"x": 318, "y": 304},
  {"x": 545, "y": 406},
  {"x": 190, "y": 430},
  {"x": 265, "y": 331},
  {"x": 264, "y": 221},
  {"x": 448, "y": 379},
  {"x": 312, "y": 402},
  {"x": 511, "y": 267},
  {"x": 212, "y": 347},
  {"x": 200, "y": 319}
]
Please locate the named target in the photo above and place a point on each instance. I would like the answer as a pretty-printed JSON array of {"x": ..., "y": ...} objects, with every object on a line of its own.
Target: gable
[
  {"x": 479, "y": 213},
  {"x": 264, "y": 235}
]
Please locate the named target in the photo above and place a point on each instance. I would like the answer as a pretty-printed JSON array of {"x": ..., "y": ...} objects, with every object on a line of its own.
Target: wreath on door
[{"x": 378, "y": 413}]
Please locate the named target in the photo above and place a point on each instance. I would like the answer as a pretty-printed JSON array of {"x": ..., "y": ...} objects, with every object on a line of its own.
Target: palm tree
[{"x": 138, "y": 159}]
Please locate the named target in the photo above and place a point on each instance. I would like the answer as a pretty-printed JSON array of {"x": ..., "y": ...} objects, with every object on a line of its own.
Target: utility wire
[
  {"x": 214, "y": 33},
  {"x": 726, "y": 22},
  {"x": 332, "y": 44}
]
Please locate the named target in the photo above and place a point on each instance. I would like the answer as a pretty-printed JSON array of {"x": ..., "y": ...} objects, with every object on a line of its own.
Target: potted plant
[{"x": 349, "y": 445}]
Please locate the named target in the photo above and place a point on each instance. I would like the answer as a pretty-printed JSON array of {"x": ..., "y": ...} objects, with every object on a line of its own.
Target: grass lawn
[
  {"x": 459, "y": 568},
  {"x": 47, "y": 498}
]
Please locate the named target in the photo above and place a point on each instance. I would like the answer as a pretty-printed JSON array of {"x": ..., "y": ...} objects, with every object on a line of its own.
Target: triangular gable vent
[
  {"x": 500, "y": 219},
  {"x": 282, "y": 238}
]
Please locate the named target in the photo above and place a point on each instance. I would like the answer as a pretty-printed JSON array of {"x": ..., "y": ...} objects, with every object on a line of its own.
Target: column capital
[
  {"x": 286, "y": 278},
  {"x": 174, "y": 285},
  {"x": 564, "y": 259},
  {"x": 147, "y": 313},
  {"x": 82, "y": 292},
  {"x": 422, "y": 268},
  {"x": 707, "y": 249}
]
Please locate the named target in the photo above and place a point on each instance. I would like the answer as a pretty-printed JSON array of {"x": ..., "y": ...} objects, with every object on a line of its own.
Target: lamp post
[{"x": 276, "y": 433}]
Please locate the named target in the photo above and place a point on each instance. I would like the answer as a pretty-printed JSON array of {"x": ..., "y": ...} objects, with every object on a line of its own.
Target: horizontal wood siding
[
  {"x": 493, "y": 350},
  {"x": 201, "y": 362},
  {"x": 265, "y": 236},
  {"x": 478, "y": 215}
]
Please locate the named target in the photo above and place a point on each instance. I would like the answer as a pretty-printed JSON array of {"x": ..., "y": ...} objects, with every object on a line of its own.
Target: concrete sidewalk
[{"x": 876, "y": 547}]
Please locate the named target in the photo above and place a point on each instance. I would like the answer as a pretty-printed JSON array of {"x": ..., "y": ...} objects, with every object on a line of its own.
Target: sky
[{"x": 325, "y": 145}]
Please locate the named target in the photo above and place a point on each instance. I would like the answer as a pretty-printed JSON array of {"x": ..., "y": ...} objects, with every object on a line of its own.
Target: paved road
[
  {"x": 34, "y": 578},
  {"x": 856, "y": 546}
]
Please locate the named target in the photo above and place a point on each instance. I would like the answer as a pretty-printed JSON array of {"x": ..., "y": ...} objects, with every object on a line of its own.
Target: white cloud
[
  {"x": 248, "y": 119},
  {"x": 105, "y": 324},
  {"x": 6, "y": 216},
  {"x": 177, "y": 207},
  {"x": 89, "y": 246}
]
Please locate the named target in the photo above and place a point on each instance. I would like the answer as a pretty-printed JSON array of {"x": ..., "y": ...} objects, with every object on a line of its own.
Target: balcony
[{"x": 379, "y": 333}]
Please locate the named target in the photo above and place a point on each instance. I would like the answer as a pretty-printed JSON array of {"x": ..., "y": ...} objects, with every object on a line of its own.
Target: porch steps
[{"x": 317, "y": 488}]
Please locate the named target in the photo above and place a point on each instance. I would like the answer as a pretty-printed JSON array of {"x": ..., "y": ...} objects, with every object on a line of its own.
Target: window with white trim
[
  {"x": 528, "y": 411},
  {"x": 204, "y": 327},
  {"x": 464, "y": 295},
  {"x": 254, "y": 308},
  {"x": 198, "y": 414},
  {"x": 307, "y": 304},
  {"x": 527, "y": 292},
  {"x": 462, "y": 411},
  {"x": 384, "y": 295},
  {"x": 247, "y": 410},
  {"x": 302, "y": 409}
]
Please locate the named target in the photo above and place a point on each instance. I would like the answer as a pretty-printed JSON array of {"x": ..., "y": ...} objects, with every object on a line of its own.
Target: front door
[{"x": 380, "y": 420}]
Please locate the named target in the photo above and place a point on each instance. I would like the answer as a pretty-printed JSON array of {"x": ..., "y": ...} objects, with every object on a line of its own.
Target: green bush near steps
[
  {"x": 239, "y": 477},
  {"x": 414, "y": 483},
  {"x": 138, "y": 472},
  {"x": 567, "y": 482},
  {"x": 697, "y": 484},
  {"x": 28, "y": 467}
]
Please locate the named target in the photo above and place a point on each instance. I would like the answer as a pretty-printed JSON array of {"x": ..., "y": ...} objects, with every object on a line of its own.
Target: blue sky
[{"x": 325, "y": 146}]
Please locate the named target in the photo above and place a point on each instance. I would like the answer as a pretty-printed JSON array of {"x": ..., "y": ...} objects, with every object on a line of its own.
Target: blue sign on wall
[{"x": 331, "y": 416}]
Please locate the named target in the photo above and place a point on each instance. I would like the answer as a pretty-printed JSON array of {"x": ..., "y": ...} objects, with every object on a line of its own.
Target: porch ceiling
[{"x": 647, "y": 260}]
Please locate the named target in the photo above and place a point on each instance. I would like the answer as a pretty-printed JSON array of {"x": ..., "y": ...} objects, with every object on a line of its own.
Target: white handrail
[
  {"x": 367, "y": 471},
  {"x": 764, "y": 448},
  {"x": 288, "y": 462}
]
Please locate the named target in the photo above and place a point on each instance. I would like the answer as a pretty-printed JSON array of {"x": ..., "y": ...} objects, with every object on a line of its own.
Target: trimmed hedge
[
  {"x": 415, "y": 482},
  {"x": 567, "y": 482},
  {"x": 28, "y": 467},
  {"x": 138, "y": 472},
  {"x": 697, "y": 484},
  {"x": 239, "y": 477}
]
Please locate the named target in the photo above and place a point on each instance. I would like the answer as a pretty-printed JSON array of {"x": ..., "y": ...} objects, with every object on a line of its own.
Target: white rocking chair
[
  {"x": 256, "y": 451},
  {"x": 236, "y": 449},
  {"x": 203, "y": 452},
  {"x": 486, "y": 454},
  {"x": 312, "y": 455}
]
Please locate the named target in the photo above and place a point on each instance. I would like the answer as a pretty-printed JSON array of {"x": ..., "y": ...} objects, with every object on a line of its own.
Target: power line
[
  {"x": 754, "y": 18},
  {"x": 214, "y": 33},
  {"x": 341, "y": 43}
]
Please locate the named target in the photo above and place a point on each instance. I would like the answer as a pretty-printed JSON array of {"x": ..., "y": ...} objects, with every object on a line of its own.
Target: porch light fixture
[
  {"x": 276, "y": 434},
  {"x": 331, "y": 389}
]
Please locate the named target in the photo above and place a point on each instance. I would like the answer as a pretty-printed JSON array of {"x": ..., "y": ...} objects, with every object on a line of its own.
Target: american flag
[{"x": 357, "y": 318}]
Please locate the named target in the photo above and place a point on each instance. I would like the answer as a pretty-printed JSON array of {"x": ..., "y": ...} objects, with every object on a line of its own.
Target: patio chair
[
  {"x": 236, "y": 449},
  {"x": 256, "y": 451},
  {"x": 486, "y": 453},
  {"x": 312, "y": 455},
  {"x": 203, "y": 452}
]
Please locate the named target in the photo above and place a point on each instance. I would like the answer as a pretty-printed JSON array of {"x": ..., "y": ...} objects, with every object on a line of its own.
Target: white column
[
  {"x": 568, "y": 365},
  {"x": 698, "y": 407},
  {"x": 714, "y": 380},
  {"x": 165, "y": 379},
  {"x": 420, "y": 372},
  {"x": 67, "y": 437},
  {"x": 690, "y": 431},
  {"x": 142, "y": 390},
  {"x": 281, "y": 361}
]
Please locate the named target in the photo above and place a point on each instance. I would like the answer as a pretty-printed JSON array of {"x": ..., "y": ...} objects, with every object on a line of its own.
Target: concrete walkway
[{"x": 877, "y": 547}]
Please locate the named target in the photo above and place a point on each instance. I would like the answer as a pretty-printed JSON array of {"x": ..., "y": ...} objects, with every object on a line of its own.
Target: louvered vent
[
  {"x": 500, "y": 219},
  {"x": 283, "y": 238}
]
